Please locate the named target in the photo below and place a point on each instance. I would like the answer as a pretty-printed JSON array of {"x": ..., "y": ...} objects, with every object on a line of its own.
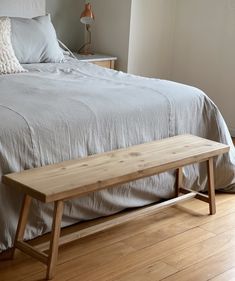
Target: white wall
[
  {"x": 190, "y": 41},
  {"x": 66, "y": 19},
  {"x": 151, "y": 37},
  {"x": 110, "y": 33},
  {"x": 204, "y": 52}
]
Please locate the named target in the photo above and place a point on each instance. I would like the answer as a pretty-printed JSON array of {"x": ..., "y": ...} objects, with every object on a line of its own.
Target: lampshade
[{"x": 87, "y": 16}]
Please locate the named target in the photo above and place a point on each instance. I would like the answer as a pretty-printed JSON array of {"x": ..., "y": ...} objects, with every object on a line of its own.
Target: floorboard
[{"x": 180, "y": 243}]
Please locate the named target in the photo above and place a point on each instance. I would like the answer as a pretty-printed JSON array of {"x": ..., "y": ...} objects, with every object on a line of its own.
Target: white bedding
[{"x": 57, "y": 112}]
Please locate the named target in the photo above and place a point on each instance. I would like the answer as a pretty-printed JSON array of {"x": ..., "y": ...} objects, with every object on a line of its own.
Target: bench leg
[
  {"x": 211, "y": 186},
  {"x": 54, "y": 242},
  {"x": 179, "y": 181},
  {"x": 22, "y": 222}
]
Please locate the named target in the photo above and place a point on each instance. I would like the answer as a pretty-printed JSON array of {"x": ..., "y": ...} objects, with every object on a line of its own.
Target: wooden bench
[{"x": 76, "y": 178}]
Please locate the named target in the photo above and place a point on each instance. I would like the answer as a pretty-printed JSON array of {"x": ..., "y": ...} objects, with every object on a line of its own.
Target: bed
[{"x": 60, "y": 111}]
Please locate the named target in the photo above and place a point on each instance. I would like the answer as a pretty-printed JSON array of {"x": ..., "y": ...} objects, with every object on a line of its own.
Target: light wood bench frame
[{"x": 51, "y": 259}]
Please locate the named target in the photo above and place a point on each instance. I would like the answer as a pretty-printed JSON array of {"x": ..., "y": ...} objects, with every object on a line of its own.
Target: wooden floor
[{"x": 180, "y": 243}]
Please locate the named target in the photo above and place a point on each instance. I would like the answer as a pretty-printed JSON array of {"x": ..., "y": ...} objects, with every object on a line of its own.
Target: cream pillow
[{"x": 8, "y": 61}]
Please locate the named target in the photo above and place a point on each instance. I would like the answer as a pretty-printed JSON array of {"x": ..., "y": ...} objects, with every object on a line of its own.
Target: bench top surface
[{"x": 76, "y": 178}]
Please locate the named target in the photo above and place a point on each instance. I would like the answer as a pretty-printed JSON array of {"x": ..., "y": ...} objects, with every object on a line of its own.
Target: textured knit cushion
[
  {"x": 8, "y": 61},
  {"x": 34, "y": 40}
]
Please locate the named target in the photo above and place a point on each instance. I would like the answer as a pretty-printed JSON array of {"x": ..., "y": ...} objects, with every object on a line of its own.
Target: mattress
[{"x": 57, "y": 112}]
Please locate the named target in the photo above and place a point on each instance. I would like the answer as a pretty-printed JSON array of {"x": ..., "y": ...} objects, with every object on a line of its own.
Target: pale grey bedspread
[{"x": 57, "y": 112}]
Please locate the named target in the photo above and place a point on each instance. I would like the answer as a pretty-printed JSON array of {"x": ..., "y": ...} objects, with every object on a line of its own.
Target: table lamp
[{"x": 87, "y": 17}]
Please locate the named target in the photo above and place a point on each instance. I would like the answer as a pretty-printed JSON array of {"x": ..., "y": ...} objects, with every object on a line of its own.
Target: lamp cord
[{"x": 67, "y": 49}]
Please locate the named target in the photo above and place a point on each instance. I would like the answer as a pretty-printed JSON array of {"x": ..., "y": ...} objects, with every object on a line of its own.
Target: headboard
[{"x": 22, "y": 8}]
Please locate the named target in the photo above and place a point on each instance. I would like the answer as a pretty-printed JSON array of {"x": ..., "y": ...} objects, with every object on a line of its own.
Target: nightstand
[{"x": 101, "y": 60}]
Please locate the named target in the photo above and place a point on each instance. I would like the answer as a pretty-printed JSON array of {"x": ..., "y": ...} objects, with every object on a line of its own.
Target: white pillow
[
  {"x": 35, "y": 41},
  {"x": 8, "y": 61}
]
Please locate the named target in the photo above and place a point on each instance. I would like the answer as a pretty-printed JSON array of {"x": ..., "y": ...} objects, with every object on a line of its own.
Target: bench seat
[{"x": 76, "y": 178}]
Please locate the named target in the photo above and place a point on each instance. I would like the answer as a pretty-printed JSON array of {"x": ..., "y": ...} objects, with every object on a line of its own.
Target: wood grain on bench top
[{"x": 76, "y": 178}]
